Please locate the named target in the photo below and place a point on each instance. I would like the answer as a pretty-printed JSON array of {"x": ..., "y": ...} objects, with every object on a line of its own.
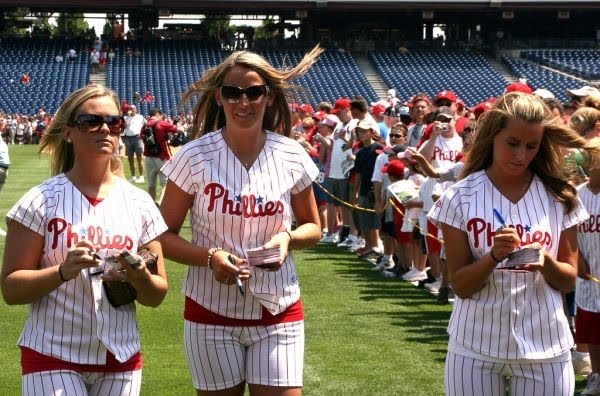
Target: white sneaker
[
  {"x": 333, "y": 238},
  {"x": 384, "y": 265},
  {"x": 358, "y": 244},
  {"x": 345, "y": 243},
  {"x": 133, "y": 179},
  {"x": 416, "y": 276},
  {"x": 140, "y": 180},
  {"x": 581, "y": 363},
  {"x": 2, "y": 232},
  {"x": 410, "y": 273},
  {"x": 593, "y": 385},
  {"x": 433, "y": 287}
]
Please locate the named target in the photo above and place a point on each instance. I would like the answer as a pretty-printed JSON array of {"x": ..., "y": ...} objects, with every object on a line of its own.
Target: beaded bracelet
[{"x": 211, "y": 253}]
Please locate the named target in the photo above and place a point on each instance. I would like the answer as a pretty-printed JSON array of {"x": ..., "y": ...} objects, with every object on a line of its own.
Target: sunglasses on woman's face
[
  {"x": 396, "y": 135},
  {"x": 233, "y": 94},
  {"x": 93, "y": 123}
]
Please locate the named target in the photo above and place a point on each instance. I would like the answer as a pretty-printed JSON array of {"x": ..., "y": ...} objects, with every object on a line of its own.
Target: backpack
[{"x": 150, "y": 141}]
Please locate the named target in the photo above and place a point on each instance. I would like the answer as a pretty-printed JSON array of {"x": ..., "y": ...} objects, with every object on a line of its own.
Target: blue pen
[{"x": 500, "y": 218}]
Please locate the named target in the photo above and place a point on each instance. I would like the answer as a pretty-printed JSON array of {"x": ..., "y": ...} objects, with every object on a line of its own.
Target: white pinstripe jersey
[
  {"x": 75, "y": 322},
  {"x": 239, "y": 209},
  {"x": 587, "y": 292},
  {"x": 515, "y": 315}
]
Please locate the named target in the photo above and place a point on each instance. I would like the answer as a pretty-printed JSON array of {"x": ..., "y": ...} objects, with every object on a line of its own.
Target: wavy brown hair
[
  {"x": 208, "y": 116},
  {"x": 549, "y": 163},
  {"x": 62, "y": 155}
]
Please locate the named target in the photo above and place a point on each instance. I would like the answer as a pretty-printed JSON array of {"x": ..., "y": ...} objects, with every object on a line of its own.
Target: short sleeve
[
  {"x": 577, "y": 216},
  {"x": 30, "y": 211},
  {"x": 153, "y": 224},
  {"x": 308, "y": 173},
  {"x": 448, "y": 210},
  {"x": 178, "y": 170}
]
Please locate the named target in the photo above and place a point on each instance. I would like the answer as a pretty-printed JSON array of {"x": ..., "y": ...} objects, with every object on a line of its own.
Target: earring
[{"x": 68, "y": 140}]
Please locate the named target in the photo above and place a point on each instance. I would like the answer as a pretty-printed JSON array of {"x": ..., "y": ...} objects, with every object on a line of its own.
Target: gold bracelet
[{"x": 211, "y": 253}]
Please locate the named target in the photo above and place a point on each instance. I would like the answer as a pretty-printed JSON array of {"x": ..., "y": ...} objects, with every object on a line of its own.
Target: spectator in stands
[
  {"x": 245, "y": 98},
  {"x": 578, "y": 96},
  {"x": 340, "y": 164},
  {"x": 75, "y": 341},
  {"x": 95, "y": 60},
  {"x": 153, "y": 163},
  {"x": 134, "y": 123},
  {"x": 369, "y": 222},
  {"x": 556, "y": 107},
  {"x": 446, "y": 98},
  {"x": 512, "y": 167},
  {"x": 71, "y": 55},
  {"x": 420, "y": 107},
  {"x": 24, "y": 79},
  {"x": 59, "y": 58},
  {"x": 148, "y": 97},
  {"x": 324, "y": 107}
]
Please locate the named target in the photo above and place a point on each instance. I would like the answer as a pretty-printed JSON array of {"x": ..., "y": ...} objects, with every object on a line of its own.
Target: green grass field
[{"x": 365, "y": 335}]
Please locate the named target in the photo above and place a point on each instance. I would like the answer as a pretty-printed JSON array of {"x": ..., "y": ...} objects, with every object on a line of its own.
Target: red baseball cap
[
  {"x": 394, "y": 168},
  {"x": 340, "y": 104},
  {"x": 445, "y": 94},
  {"x": 519, "y": 87},
  {"x": 378, "y": 109}
]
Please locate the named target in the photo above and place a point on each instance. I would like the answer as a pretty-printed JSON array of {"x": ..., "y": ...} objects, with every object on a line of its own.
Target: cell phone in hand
[{"x": 133, "y": 262}]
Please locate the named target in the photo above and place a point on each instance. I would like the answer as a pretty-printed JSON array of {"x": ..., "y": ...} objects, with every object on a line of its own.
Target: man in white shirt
[{"x": 133, "y": 144}]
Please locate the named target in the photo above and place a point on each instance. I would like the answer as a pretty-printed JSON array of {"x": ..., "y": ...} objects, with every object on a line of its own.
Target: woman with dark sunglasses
[
  {"x": 75, "y": 342},
  {"x": 245, "y": 183}
]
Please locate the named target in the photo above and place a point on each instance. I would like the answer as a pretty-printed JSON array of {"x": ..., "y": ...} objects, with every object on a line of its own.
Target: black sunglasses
[
  {"x": 233, "y": 94},
  {"x": 396, "y": 135},
  {"x": 94, "y": 123}
]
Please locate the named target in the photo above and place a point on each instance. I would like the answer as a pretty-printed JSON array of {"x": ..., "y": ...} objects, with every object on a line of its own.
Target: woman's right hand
[
  {"x": 78, "y": 258},
  {"x": 505, "y": 241},
  {"x": 225, "y": 271}
]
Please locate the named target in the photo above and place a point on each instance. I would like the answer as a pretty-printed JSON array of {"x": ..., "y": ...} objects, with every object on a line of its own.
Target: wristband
[
  {"x": 62, "y": 278},
  {"x": 211, "y": 253},
  {"x": 493, "y": 257}
]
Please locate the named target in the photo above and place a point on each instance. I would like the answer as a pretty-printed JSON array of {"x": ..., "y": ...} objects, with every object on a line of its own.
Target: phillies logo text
[
  {"x": 241, "y": 205},
  {"x": 444, "y": 155},
  {"x": 483, "y": 233},
  {"x": 590, "y": 225},
  {"x": 60, "y": 227}
]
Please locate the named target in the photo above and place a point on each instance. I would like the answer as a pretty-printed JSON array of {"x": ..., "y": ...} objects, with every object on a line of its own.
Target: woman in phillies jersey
[
  {"x": 508, "y": 318},
  {"x": 244, "y": 182},
  {"x": 75, "y": 342}
]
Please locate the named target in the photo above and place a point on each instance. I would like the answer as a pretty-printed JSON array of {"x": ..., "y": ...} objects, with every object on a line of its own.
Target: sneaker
[
  {"x": 434, "y": 287},
  {"x": 416, "y": 276},
  {"x": 593, "y": 385},
  {"x": 581, "y": 363},
  {"x": 359, "y": 244},
  {"x": 410, "y": 272},
  {"x": 371, "y": 253},
  {"x": 345, "y": 243},
  {"x": 389, "y": 274},
  {"x": 384, "y": 265},
  {"x": 133, "y": 179},
  {"x": 2, "y": 232},
  {"x": 333, "y": 238},
  {"x": 428, "y": 280},
  {"x": 140, "y": 180}
]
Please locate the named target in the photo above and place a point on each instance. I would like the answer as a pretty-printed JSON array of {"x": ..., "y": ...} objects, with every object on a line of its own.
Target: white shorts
[
  {"x": 72, "y": 383},
  {"x": 221, "y": 357}
]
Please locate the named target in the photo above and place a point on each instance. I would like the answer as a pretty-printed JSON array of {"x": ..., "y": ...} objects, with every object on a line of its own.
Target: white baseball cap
[{"x": 544, "y": 93}]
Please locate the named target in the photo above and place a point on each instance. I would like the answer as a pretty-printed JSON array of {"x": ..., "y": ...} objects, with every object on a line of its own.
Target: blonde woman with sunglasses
[
  {"x": 76, "y": 340},
  {"x": 244, "y": 182}
]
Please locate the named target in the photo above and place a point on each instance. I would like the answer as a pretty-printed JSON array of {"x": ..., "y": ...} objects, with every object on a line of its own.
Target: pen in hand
[
  {"x": 500, "y": 218},
  {"x": 238, "y": 281}
]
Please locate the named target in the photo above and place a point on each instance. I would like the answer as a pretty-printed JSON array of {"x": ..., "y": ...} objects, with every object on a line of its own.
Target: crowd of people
[{"x": 491, "y": 207}]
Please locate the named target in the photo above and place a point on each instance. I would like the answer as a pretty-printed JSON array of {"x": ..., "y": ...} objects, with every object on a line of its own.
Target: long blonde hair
[
  {"x": 208, "y": 116},
  {"x": 62, "y": 155},
  {"x": 549, "y": 163}
]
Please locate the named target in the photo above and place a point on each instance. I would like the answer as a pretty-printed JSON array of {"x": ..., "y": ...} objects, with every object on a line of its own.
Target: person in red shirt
[{"x": 153, "y": 163}]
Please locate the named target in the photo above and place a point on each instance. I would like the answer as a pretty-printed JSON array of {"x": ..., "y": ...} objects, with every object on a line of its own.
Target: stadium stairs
[
  {"x": 98, "y": 78},
  {"x": 374, "y": 79}
]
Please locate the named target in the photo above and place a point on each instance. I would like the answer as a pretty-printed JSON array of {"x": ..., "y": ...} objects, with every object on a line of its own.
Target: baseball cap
[
  {"x": 586, "y": 90},
  {"x": 445, "y": 94},
  {"x": 331, "y": 121},
  {"x": 306, "y": 108},
  {"x": 367, "y": 123},
  {"x": 518, "y": 87},
  {"x": 482, "y": 107},
  {"x": 443, "y": 112},
  {"x": 421, "y": 96},
  {"x": 394, "y": 168},
  {"x": 543, "y": 93},
  {"x": 341, "y": 103},
  {"x": 378, "y": 109}
]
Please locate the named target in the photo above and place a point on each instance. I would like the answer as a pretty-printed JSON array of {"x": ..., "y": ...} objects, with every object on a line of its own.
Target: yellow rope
[
  {"x": 356, "y": 207},
  {"x": 593, "y": 278}
]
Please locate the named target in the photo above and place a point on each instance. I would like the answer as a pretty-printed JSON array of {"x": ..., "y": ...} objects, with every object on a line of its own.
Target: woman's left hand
[
  {"x": 539, "y": 265},
  {"x": 283, "y": 241},
  {"x": 128, "y": 272}
]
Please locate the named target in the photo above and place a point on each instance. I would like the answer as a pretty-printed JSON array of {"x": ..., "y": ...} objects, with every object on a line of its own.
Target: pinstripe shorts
[{"x": 221, "y": 357}]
